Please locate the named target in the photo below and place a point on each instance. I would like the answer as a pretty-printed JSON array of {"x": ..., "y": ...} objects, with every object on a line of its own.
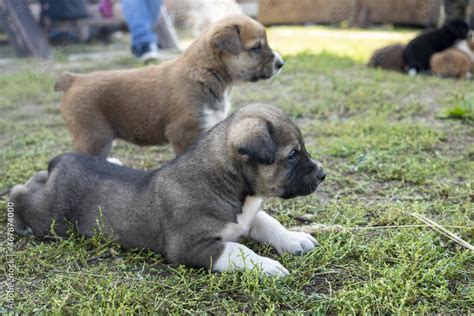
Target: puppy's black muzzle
[
  {"x": 318, "y": 175},
  {"x": 304, "y": 179},
  {"x": 321, "y": 174}
]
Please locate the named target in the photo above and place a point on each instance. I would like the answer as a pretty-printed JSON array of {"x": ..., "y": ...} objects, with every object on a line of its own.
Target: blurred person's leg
[
  {"x": 141, "y": 17},
  {"x": 154, "y": 9}
]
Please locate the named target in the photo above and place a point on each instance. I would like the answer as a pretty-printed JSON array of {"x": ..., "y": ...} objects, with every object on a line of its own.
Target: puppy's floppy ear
[
  {"x": 227, "y": 40},
  {"x": 251, "y": 140}
]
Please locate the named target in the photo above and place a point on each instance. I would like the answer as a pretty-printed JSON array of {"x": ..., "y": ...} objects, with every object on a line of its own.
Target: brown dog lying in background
[
  {"x": 457, "y": 61},
  {"x": 172, "y": 102},
  {"x": 389, "y": 57}
]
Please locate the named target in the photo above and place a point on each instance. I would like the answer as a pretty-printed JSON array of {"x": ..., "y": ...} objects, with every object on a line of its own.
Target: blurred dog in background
[
  {"x": 418, "y": 51},
  {"x": 389, "y": 57},
  {"x": 457, "y": 61}
]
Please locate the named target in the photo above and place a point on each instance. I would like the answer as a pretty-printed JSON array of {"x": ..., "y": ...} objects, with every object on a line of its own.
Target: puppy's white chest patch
[
  {"x": 215, "y": 114},
  {"x": 464, "y": 47},
  {"x": 233, "y": 231}
]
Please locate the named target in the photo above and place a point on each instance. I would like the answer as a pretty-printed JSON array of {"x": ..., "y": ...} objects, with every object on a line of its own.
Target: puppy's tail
[
  {"x": 65, "y": 81},
  {"x": 18, "y": 201}
]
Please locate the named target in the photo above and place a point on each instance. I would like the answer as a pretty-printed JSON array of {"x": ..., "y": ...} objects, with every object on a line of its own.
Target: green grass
[
  {"x": 392, "y": 145},
  {"x": 462, "y": 110}
]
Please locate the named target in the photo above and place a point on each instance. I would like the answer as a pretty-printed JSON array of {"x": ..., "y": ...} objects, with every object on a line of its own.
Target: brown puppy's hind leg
[
  {"x": 182, "y": 134},
  {"x": 90, "y": 131},
  {"x": 91, "y": 136},
  {"x": 95, "y": 145}
]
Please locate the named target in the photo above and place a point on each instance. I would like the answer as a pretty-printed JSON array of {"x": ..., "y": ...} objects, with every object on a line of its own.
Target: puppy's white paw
[
  {"x": 296, "y": 243},
  {"x": 272, "y": 267},
  {"x": 236, "y": 256},
  {"x": 268, "y": 230},
  {"x": 412, "y": 72},
  {"x": 115, "y": 161}
]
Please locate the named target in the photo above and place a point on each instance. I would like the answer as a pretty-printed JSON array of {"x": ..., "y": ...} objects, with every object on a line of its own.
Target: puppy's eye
[
  {"x": 292, "y": 155},
  {"x": 256, "y": 49}
]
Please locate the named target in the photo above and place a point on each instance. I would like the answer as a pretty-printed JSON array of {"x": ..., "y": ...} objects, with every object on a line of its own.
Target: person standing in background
[{"x": 142, "y": 17}]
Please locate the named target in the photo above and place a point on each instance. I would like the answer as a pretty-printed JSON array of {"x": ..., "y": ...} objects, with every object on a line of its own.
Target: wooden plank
[
  {"x": 23, "y": 32},
  {"x": 303, "y": 11},
  {"x": 358, "y": 12},
  {"x": 421, "y": 12}
]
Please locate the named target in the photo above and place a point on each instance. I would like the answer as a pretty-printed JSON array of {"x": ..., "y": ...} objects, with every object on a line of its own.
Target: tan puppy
[
  {"x": 457, "y": 61},
  {"x": 172, "y": 102}
]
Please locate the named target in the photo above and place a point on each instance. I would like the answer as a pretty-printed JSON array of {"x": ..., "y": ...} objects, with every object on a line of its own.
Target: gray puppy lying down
[{"x": 192, "y": 210}]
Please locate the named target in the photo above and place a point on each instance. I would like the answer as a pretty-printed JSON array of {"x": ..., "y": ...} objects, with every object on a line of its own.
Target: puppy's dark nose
[
  {"x": 278, "y": 60},
  {"x": 279, "y": 63},
  {"x": 321, "y": 175}
]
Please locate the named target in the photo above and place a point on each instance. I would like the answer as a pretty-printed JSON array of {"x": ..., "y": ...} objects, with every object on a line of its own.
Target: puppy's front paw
[
  {"x": 296, "y": 243},
  {"x": 237, "y": 256},
  {"x": 115, "y": 161},
  {"x": 272, "y": 267}
]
